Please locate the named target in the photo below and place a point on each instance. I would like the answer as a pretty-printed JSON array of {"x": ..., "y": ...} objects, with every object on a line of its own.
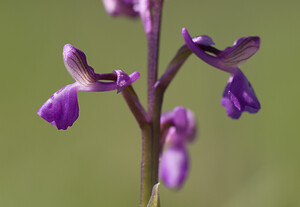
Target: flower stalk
[{"x": 151, "y": 133}]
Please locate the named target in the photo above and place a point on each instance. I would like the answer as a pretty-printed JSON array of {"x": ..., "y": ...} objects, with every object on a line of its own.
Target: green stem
[
  {"x": 146, "y": 165},
  {"x": 151, "y": 131}
]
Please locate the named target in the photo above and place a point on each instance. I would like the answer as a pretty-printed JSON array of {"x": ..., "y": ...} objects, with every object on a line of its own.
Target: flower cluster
[
  {"x": 164, "y": 136},
  {"x": 238, "y": 95},
  {"x": 178, "y": 128},
  {"x": 61, "y": 109}
]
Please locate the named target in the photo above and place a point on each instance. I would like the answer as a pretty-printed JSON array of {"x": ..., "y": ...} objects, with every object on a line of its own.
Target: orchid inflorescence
[{"x": 164, "y": 135}]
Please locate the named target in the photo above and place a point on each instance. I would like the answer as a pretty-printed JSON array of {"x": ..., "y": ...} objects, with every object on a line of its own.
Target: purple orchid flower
[
  {"x": 179, "y": 128},
  {"x": 61, "y": 109},
  {"x": 121, "y": 7},
  {"x": 132, "y": 9},
  {"x": 238, "y": 95}
]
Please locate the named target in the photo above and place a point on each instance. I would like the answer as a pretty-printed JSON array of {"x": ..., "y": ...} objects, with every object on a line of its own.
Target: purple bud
[
  {"x": 174, "y": 165},
  {"x": 180, "y": 119},
  {"x": 179, "y": 128},
  {"x": 239, "y": 96},
  {"x": 121, "y": 7},
  {"x": 182, "y": 126}
]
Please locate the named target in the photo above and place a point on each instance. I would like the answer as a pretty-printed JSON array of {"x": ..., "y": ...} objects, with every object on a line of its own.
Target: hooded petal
[
  {"x": 240, "y": 52},
  {"x": 180, "y": 119},
  {"x": 76, "y": 64},
  {"x": 61, "y": 109},
  {"x": 239, "y": 96},
  {"x": 179, "y": 126},
  {"x": 174, "y": 166},
  {"x": 229, "y": 59},
  {"x": 192, "y": 44}
]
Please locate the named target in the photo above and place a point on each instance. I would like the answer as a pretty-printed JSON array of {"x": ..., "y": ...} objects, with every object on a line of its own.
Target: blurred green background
[{"x": 254, "y": 161}]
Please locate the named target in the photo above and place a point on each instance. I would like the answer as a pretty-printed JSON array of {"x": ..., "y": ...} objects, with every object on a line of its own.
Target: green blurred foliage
[{"x": 254, "y": 161}]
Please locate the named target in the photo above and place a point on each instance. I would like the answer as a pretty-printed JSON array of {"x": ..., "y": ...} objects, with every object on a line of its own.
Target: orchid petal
[
  {"x": 209, "y": 59},
  {"x": 174, "y": 166},
  {"x": 61, "y": 109},
  {"x": 239, "y": 96},
  {"x": 76, "y": 64},
  {"x": 240, "y": 52},
  {"x": 191, "y": 131},
  {"x": 227, "y": 60},
  {"x": 145, "y": 13},
  {"x": 180, "y": 119}
]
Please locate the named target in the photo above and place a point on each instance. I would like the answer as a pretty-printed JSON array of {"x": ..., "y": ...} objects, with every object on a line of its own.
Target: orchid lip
[{"x": 239, "y": 96}]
